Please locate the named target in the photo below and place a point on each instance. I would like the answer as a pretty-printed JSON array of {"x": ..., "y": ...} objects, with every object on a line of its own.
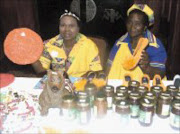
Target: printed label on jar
[
  {"x": 68, "y": 114},
  {"x": 134, "y": 110},
  {"x": 145, "y": 117},
  {"x": 114, "y": 107},
  {"x": 165, "y": 109},
  {"x": 175, "y": 120},
  {"x": 95, "y": 111},
  {"x": 83, "y": 117},
  {"x": 109, "y": 102}
]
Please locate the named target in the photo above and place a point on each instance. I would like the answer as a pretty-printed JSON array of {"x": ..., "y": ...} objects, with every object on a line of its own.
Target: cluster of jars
[{"x": 132, "y": 101}]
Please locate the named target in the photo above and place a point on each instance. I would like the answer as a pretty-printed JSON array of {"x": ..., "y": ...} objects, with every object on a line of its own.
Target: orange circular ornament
[{"x": 23, "y": 46}]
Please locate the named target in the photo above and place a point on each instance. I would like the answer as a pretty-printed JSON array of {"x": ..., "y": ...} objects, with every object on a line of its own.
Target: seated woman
[
  {"x": 70, "y": 51},
  {"x": 153, "y": 57}
]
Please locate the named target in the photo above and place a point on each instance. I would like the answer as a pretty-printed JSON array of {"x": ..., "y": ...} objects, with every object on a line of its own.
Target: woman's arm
[{"x": 37, "y": 66}]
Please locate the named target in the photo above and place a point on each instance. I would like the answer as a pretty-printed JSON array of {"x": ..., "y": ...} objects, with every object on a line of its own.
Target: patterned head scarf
[
  {"x": 144, "y": 8},
  {"x": 68, "y": 13}
]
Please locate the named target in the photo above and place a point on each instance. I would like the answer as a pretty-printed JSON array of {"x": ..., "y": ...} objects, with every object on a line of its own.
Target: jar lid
[
  {"x": 135, "y": 95},
  {"x": 68, "y": 98},
  {"x": 90, "y": 87},
  {"x": 108, "y": 88},
  {"x": 83, "y": 104},
  {"x": 120, "y": 96},
  {"x": 176, "y": 104},
  {"x": 156, "y": 88},
  {"x": 142, "y": 89},
  {"x": 177, "y": 96},
  {"x": 150, "y": 95},
  {"x": 146, "y": 102},
  {"x": 134, "y": 83},
  {"x": 165, "y": 95},
  {"x": 122, "y": 104},
  {"x": 121, "y": 88},
  {"x": 172, "y": 88}
]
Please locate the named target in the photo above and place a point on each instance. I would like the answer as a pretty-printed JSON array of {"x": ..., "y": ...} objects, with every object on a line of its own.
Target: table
[{"x": 110, "y": 124}]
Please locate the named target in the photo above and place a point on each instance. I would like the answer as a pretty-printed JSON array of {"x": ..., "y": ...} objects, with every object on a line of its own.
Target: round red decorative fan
[
  {"x": 23, "y": 46},
  {"x": 6, "y": 79}
]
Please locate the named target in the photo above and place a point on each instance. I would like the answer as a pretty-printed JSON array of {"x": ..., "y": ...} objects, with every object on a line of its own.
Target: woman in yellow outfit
[
  {"x": 70, "y": 51},
  {"x": 153, "y": 57}
]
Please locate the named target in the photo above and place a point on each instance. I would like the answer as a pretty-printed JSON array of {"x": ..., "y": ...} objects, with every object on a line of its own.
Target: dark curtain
[{"x": 167, "y": 28}]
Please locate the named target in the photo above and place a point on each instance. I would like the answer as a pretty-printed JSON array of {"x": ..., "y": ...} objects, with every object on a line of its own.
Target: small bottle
[
  {"x": 109, "y": 92},
  {"x": 175, "y": 115},
  {"x": 118, "y": 97},
  {"x": 123, "y": 111},
  {"x": 122, "y": 89},
  {"x": 133, "y": 85},
  {"x": 68, "y": 107},
  {"x": 100, "y": 105},
  {"x": 157, "y": 90},
  {"x": 84, "y": 112},
  {"x": 163, "y": 105},
  {"x": 91, "y": 89},
  {"x": 172, "y": 90},
  {"x": 146, "y": 112},
  {"x": 134, "y": 100},
  {"x": 142, "y": 90},
  {"x": 177, "y": 96}
]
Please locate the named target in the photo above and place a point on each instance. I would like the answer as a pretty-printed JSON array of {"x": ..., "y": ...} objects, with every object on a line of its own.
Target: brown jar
[
  {"x": 172, "y": 90},
  {"x": 157, "y": 90},
  {"x": 134, "y": 100},
  {"x": 163, "y": 105},
  {"x": 109, "y": 92},
  {"x": 91, "y": 89},
  {"x": 133, "y": 85},
  {"x": 175, "y": 115},
  {"x": 123, "y": 111},
  {"x": 142, "y": 90},
  {"x": 146, "y": 112},
  {"x": 84, "y": 112},
  {"x": 68, "y": 107},
  {"x": 100, "y": 105},
  {"x": 122, "y": 89}
]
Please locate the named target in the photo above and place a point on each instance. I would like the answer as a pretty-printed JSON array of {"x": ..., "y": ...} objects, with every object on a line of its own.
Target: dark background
[{"x": 42, "y": 16}]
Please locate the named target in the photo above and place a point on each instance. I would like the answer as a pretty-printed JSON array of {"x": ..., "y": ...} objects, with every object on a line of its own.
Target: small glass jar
[
  {"x": 122, "y": 89},
  {"x": 91, "y": 89},
  {"x": 175, "y": 115},
  {"x": 177, "y": 96},
  {"x": 157, "y": 90},
  {"x": 172, "y": 90},
  {"x": 123, "y": 111},
  {"x": 68, "y": 110},
  {"x": 100, "y": 105},
  {"x": 142, "y": 90},
  {"x": 163, "y": 105},
  {"x": 109, "y": 92},
  {"x": 134, "y": 100},
  {"x": 118, "y": 97},
  {"x": 84, "y": 112},
  {"x": 146, "y": 112},
  {"x": 133, "y": 85}
]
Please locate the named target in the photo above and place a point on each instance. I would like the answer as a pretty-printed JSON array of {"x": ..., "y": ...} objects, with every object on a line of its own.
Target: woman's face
[
  {"x": 135, "y": 26},
  {"x": 68, "y": 28}
]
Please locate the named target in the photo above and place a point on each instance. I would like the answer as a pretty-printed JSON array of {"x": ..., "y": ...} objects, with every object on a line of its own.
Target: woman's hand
[{"x": 144, "y": 61}]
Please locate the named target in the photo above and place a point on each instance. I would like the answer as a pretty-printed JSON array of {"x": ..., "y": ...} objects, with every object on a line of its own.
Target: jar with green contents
[
  {"x": 68, "y": 107},
  {"x": 109, "y": 92},
  {"x": 134, "y": 100},
  {"x": 123, "y": 111},
  {"x": 133, "y": 85},
  {"x": 157, "y": 90},
  {"x": 118, "y": 97},
  {"x": 122, "y": 89},
  {"x": 142, "y": 90},
  {"x": 175, "y": 115},
  {"x": 163, "y": 105},
  {"x": 172, "y": 90},
  {"x": 83, "y": 112},
  {"x": 100, "y": 105},
  {"x": 91, "y": 90},
  {"x": 146, "y": 112}
]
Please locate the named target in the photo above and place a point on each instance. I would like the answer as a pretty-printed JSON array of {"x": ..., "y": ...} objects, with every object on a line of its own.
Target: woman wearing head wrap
[
  {"x": 70, "y": 51},
  {"x": 153, "y": 57}
]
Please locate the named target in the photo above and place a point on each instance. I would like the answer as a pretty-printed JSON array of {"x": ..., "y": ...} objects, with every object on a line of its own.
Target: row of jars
[{"x": 133, "y": 101}]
